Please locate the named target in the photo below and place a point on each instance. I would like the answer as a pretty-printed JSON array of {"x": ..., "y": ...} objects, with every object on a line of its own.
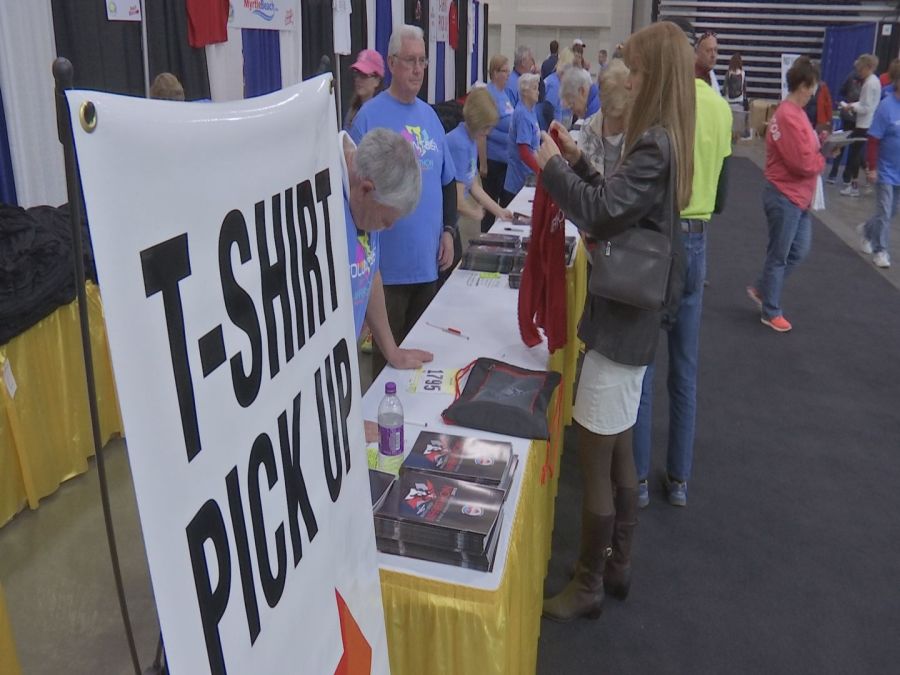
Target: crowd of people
[{"x": 655, "y": 131}]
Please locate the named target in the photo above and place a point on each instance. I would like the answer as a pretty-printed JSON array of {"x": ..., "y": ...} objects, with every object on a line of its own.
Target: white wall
[{"x": 600, "y": 23}]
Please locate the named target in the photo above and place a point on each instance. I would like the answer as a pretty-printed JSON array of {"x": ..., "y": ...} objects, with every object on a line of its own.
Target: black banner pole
[{"x": 63, "y": 74}]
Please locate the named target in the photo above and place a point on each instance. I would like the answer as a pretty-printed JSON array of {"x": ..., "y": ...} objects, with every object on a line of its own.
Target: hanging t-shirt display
[
  {"x": 409, "y": 250},
  {"x": 524, "y": 129},
  {"x": 207, "y": 22},
  {"x": 464, "y": 151},
  {"x": 342, "y": 39}
]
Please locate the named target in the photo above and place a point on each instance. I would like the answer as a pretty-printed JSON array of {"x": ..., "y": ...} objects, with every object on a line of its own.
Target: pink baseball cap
[{"x": 369, "y": 62}]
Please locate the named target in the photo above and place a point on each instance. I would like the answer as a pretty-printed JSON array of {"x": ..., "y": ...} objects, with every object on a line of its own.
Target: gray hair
[
  {"x": 405, "y": 32},
  {"x": 526, "y": 79},
  {"x": 572, "y": 80},
  {"x": 522, "y": 53},
  {"x": 389, "y": 161}
]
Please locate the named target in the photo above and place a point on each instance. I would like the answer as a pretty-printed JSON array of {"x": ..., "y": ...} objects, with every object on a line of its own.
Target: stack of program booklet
[{"x": 447, "y": 504}]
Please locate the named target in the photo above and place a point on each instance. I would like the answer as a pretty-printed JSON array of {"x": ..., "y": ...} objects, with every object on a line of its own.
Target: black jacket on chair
[{"x": 635, "y": 195}]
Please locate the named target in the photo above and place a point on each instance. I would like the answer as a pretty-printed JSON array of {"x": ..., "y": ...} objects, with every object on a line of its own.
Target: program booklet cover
[
  {"x": 444, "y": 512},
  {"x": 471, "y": 459}
]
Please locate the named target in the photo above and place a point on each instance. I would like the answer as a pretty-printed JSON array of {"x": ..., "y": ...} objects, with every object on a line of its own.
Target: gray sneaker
[
  {"x": 643, "y": 500},
  {"x": 676, "y": 491}
]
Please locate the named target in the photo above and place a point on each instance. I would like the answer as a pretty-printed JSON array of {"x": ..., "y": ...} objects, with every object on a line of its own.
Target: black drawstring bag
[{"x": 503, "y": 398}]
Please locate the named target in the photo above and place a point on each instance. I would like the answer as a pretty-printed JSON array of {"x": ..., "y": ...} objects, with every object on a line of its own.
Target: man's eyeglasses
[{"x": 413, "y": 61}]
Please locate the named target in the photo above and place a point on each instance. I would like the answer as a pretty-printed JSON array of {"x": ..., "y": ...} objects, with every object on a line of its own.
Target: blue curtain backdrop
[
  {"x": 383, "y": 27},
  {"x": 7, "y": 181},
  {"x": 475, "y": 38},
  {"x": 840, "y": 48},
  {"x": 262, "y": 61}
]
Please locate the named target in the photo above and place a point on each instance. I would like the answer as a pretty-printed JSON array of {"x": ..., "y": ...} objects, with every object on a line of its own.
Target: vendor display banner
[
  {"x": 220, "y": 242},
  {"x": 123, "y": 11},
  {"x": 266, "y": 14},
  {"x": 439, "y": 20}
]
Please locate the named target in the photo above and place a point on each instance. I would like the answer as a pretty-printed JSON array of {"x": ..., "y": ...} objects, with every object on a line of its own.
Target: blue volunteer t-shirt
[
  {"x": 524, "y": 129},
  {"x": 593, "y": 101},
  {"x": 409, "y": 250},
  {"x": 512, "y": 88},
  {"x": 551, "y": 92},
  {"x": 464, "y": 152},
  {"x": 362, "y": 252},
  {"x": 886, "y": 127},
  {"x": 496, "y": 141}
]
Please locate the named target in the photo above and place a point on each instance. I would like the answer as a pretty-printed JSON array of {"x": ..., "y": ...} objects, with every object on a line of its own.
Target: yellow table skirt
[
  {"x": 45, "y": 429},
  {"x": 433, "y": 625},
  {"x": 454, "y": 629},
  {"x": 565, "y": 361},
  {"x": 9, "y": 662}
]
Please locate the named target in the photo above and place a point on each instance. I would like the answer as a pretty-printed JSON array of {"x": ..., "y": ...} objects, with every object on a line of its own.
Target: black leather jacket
[{"x": 636, "y": 194}]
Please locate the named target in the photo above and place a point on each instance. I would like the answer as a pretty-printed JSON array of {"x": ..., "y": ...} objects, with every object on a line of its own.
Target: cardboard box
[{"x": 761, "y": 111}]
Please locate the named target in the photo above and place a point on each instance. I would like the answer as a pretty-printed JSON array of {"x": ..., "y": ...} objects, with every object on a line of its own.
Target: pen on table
[
  {"x": 415, "y": 423},
  {"x": 448, "y": 329}
]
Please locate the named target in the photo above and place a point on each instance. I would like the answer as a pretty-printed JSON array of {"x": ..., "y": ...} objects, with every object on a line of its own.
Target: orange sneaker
[
  {"x": 778, "y": 323},
  {"x": 754, "y": 295}
]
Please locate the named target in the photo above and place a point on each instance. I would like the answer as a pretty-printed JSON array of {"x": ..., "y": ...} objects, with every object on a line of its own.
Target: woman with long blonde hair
[{"x": 621, "y": 338}]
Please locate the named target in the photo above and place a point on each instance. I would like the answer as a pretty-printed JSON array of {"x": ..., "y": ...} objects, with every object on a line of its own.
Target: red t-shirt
[
  {"x": 793, "y": 159},
  {"x": 207, "y": 22}
]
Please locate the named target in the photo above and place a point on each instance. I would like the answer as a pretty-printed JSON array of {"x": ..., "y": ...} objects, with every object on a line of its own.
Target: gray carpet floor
[{"x": 785, "y": 559}]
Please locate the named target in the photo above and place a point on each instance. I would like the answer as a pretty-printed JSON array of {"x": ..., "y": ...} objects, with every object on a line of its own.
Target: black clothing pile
[{"x": 37, "y": 271}]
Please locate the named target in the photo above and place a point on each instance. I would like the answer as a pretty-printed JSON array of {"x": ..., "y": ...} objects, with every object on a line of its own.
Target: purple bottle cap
[{"x": 390, "y": 387}]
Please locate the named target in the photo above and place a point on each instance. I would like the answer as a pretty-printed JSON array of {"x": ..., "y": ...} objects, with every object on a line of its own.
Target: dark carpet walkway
[{"x": 787, "y": 557}]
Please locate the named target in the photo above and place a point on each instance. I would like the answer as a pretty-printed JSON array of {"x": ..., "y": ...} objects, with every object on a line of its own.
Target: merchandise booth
[{"x": 479, "y": 620}]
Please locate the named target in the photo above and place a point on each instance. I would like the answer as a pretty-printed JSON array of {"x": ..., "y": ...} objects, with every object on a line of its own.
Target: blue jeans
[
  {"x": 684, "y": 346},
  {"x": 790, "y": 238},
  {"x": 878, "y": 227}
]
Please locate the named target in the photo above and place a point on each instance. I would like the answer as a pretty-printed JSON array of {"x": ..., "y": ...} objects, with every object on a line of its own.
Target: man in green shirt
[{"x": 712, "y": 145}]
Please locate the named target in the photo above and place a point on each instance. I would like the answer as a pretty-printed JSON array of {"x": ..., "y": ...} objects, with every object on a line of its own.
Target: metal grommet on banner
[{"x": 87, "y": 115}]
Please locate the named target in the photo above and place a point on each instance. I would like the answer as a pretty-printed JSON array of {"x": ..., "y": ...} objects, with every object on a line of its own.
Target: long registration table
[{"x": 468, "y": 621}]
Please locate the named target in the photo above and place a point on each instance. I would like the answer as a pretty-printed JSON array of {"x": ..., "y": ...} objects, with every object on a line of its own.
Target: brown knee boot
[
  {"x": 617, "y": 577},
  {"x": 583, "y": 595}
]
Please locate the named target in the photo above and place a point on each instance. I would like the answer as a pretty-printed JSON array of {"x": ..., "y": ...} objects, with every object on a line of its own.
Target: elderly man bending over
[{"x": 382, "y": 183}]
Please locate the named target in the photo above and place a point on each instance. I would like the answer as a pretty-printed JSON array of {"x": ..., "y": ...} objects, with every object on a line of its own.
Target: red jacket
[
  {"x": 542, "y": 292},
  {"x": 793, "y": 159}
]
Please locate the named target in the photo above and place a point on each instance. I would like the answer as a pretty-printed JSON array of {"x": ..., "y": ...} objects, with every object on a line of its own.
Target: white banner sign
[
  {"x": 123, "y": 11},
  {"x": 219, "y": 236},
  {"x": 269, "y": 14},
  {"x": 439, "y": 20}
]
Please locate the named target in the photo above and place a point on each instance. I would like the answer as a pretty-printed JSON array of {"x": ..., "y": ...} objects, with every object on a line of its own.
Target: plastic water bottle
[{"x": 390, "y": 430}]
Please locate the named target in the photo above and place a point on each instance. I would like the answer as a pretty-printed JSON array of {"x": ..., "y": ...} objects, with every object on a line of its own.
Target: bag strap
[
  {"x": 460, "y": 374},
  {"x": 673, "y": 191},
  {"x": 556, "y": 423}
]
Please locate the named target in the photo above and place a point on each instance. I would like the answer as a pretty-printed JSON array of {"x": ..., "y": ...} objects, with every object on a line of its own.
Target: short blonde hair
[
  {"x": 612, "y": 88},
  {"x": 480, "y": 111},
  {"x": 167, "y": 87},
  {"x": 867, "y": 61},
  {"x": 566, "y": 57},
  {"x": 496, "y": 63}
]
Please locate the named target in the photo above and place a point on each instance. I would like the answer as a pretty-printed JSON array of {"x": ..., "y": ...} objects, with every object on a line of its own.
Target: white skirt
[{"x": 609, "y": 394}]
